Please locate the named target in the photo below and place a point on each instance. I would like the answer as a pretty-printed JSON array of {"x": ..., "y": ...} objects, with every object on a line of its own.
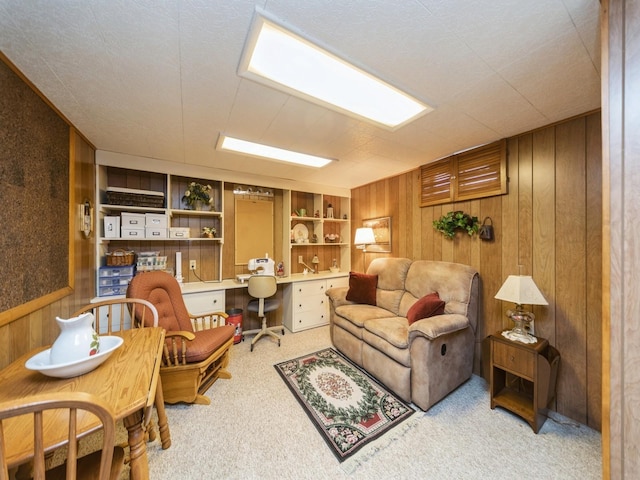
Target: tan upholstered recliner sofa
[{"x": 422, "y": 362}]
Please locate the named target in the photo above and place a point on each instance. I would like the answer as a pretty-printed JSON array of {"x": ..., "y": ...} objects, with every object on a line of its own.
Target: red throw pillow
[
  {"x": 427, "y": 306},
  {"x": 362, "y": 288}
]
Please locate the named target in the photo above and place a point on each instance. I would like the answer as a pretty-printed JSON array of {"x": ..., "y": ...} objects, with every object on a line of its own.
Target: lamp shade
[
  {"x": 521, "y": 290},
  {"x": 364, "y": 236}
]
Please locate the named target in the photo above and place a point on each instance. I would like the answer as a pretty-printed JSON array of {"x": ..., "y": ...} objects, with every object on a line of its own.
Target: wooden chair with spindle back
[
  {"x": 117, "y": 314},
  {"x": 104, "y": 464}
]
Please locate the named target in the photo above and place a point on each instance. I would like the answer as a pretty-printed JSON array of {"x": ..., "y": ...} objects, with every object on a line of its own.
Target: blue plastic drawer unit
[
  {"x": 110, "y": 291},
  {"x": 126, "y": 271},
  {"x": 114, "y": 280}
]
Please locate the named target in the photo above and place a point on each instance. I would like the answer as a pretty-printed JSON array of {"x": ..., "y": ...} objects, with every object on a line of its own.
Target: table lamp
[
  {"x": 521, "y": 290},
  {"x": 364, "y": 237}
]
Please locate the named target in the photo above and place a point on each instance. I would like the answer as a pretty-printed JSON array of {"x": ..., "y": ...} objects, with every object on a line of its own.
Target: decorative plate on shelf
[
  {"x": 41, "y": 362},
  {"x": 300, "y": 233}
]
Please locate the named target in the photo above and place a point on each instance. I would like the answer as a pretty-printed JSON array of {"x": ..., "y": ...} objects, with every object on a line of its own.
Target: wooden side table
[{"x": 523, "y": 377}]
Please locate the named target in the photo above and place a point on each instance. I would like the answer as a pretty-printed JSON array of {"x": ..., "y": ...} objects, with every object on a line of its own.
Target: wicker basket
[{"x": 120, "y": 258}]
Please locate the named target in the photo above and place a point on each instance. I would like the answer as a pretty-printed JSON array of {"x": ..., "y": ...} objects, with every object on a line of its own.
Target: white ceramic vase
[{"x": 77, "y": 340}]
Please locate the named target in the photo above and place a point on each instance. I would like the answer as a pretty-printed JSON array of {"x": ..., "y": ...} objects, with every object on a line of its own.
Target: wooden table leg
[
  {"x": 163, "y": 423},
  {"x": 139, "y": 462}
]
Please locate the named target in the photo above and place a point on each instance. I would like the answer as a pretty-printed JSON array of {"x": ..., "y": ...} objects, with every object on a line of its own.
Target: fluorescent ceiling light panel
[
  {"x": 271, "y": 153},
  {"x": 278, "y": 58}
]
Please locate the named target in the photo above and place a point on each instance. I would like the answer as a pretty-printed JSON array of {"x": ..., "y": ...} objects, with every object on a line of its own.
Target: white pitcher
[{"x": 77, "y": 340}]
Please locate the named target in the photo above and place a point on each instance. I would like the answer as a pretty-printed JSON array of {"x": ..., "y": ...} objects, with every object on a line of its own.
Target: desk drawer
[
  {"x": 313, "y": 287},
  {"x": 514, "y": 359},
  {"x": 310, "y": 319},
  {"x": 313, "y": 302}
]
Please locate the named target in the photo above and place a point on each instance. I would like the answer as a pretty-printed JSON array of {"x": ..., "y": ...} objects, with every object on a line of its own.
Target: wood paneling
[
  {"x": 621, "y": 231},
  {"x": 546, "y": 226},
  {"x": 571, "y": 268}
]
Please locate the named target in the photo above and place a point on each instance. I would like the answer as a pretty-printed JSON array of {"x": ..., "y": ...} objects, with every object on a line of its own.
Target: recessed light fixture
[
  {"x": 271, "y": 153},
  {"x": 281, "y": 59}
]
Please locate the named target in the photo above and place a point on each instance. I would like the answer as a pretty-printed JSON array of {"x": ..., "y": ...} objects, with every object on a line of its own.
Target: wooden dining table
[{"x": 128, "y": 380}]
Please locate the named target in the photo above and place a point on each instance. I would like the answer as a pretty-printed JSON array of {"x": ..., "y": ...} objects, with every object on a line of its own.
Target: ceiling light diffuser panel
[
  {"x": 268, "y": 152},
  {"x": 276, "y": 57}
]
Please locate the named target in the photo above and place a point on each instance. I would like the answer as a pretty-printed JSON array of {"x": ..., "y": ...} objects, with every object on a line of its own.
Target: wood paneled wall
[
  {"x": 621, "y": 266},
  {"x": 549, "y": 226}
]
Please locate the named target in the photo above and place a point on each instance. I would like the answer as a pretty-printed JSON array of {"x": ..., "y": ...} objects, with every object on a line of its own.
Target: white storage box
[
  {"x": 132, "y": 233},
  {"x": 179, "y": 232},
  {"x": 111, "y": 227},
  {"x": 156, "y": 220},
  {"x": 155, "y": 232},
  {"x": 133, "y": 220}
]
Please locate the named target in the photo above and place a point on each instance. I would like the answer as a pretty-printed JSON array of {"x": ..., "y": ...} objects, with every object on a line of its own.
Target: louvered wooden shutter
[
  {"x": 477, "y": 173},
  {"x": 435, "y": 183},
  {"x": 481, "y": 172}
]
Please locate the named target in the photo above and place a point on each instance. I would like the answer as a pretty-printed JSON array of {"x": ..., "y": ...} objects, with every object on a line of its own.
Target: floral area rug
[{"x": 347, "y": 406}]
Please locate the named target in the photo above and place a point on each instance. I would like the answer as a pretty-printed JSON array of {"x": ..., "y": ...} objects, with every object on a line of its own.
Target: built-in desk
[{"x": 304, "y": 303}]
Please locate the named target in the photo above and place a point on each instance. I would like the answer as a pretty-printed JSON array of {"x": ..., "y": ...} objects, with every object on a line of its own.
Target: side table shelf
[{"x": 523, "y": 377}]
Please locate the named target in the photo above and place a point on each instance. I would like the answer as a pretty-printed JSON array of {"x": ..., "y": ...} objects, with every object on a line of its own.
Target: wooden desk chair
[
  {"x": 105, "y": 464},
  {"x": 197, "y": 347},
  {"x": 261, "y": 288},
  {"x": 117, "y": 314}
]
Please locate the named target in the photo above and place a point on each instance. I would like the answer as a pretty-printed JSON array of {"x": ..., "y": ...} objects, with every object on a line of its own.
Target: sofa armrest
[
  {"x": 438, "y": 325},
  {"x": 338, "y": 296}
]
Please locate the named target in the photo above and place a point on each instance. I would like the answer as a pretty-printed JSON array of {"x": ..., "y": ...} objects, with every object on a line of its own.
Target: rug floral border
[{"x": 345, "y": 427}]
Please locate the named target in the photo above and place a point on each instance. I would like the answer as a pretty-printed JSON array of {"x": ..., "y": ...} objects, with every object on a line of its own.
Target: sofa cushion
[
  {"x": 426, "y": 307},
  {"x": 362, "y": 288},
  {"x": 357, "y": 314},
  {"x": 393, "y": 330},
  {"x": 391, "y": 277},
  {"x": 452, "y": 281},
  {"x": 394, "y": 333}
]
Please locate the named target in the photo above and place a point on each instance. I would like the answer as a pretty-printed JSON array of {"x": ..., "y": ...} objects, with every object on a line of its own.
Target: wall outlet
[
  {"x": 300, "y": 260},
  {"x": 192, "y": 264}
]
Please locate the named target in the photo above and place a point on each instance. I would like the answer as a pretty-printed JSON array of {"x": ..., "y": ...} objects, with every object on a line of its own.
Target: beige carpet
[{"x": 256, "y": 429}]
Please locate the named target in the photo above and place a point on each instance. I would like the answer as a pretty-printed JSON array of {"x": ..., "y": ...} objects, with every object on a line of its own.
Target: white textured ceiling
[{"x": 158, "y": 78}]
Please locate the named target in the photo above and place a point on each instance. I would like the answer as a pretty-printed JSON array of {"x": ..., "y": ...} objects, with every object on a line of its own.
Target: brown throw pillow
[
  {"x": 362, "y": 288},
  {"x": 427, "y": 306}
]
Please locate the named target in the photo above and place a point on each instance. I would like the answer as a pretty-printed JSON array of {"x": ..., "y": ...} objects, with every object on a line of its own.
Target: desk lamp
[
  {"x": 364, "y": 237},
  {"x": 520, "y": 289}
]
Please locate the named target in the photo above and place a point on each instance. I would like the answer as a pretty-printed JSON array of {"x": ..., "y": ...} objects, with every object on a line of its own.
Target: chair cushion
[
  {"x": 270, "y": 304},
  {"x": 425, "y": 307},
  {"x": 163, "y": 291},
  {"x": 207, "y": 342},
  {"x": 362, "y": 288}
]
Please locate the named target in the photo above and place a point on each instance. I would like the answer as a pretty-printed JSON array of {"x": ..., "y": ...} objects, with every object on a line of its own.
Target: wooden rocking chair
[{"x": 197, "y": 347}]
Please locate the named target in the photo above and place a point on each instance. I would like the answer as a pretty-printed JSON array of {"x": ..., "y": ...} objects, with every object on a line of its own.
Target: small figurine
[
  {"x": 280, "y": 269},
  {"x": 329, "y": 211},
  {"x": 317, "y": 214}
]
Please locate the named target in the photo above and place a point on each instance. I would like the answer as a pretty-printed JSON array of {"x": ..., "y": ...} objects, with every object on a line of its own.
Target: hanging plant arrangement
[{"x": 452, "y": 221}]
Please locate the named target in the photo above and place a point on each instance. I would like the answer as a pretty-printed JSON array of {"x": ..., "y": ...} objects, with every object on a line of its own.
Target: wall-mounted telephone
[{"x": 86, "y": 218}]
